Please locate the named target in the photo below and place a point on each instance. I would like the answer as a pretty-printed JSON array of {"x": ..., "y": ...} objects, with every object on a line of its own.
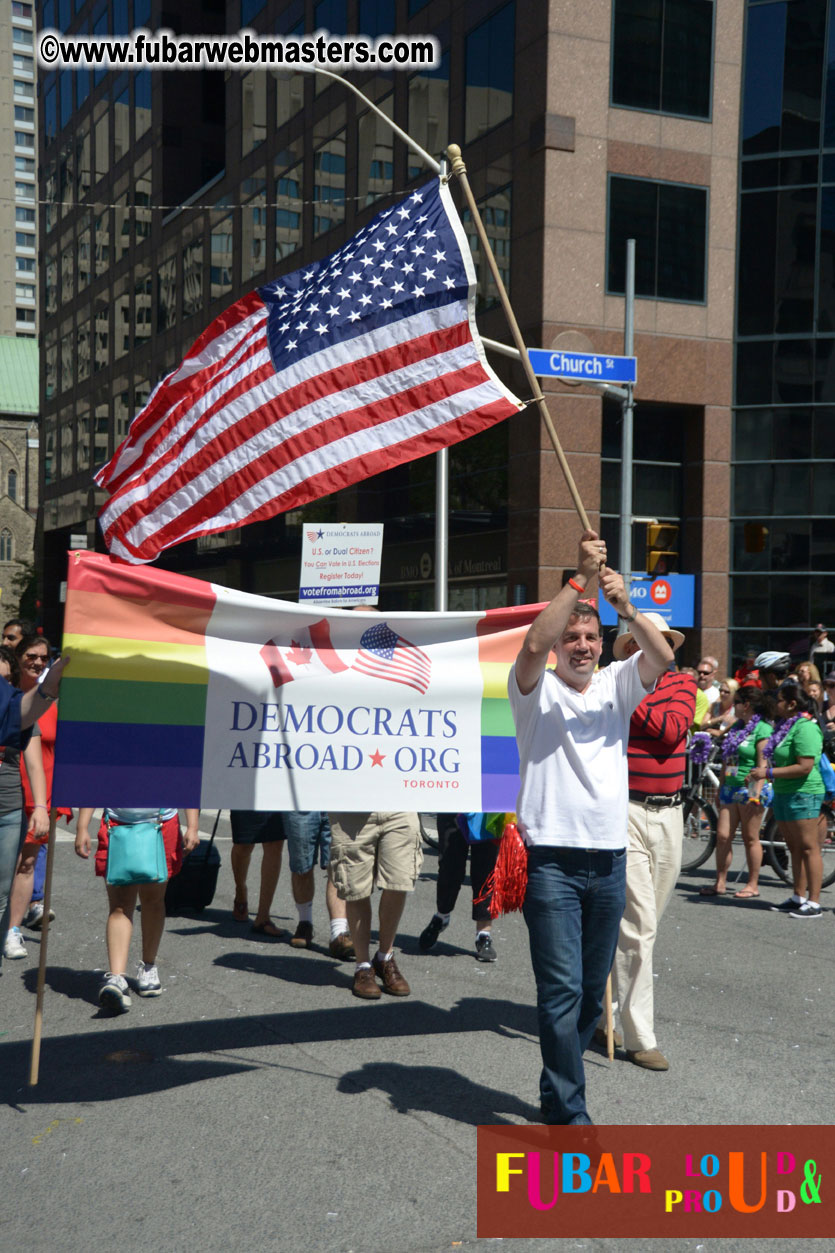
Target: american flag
[
  {"x": 385, "y": 655},
  {"x": 324, "y": 377}
]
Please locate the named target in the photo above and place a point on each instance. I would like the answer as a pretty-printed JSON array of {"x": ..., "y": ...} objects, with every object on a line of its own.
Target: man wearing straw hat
[
  {"x": 656, "y": 755},
  {"x": 572, "y": 726}
]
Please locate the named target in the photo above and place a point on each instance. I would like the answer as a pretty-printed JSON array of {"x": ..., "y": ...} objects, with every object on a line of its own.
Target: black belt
[{"x": 655, "y": 802}]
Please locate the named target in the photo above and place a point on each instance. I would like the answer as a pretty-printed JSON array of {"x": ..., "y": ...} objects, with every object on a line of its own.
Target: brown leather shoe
[
  {"x": 304, "y": 936},
  {"x": 391, "y": 978},
  {"x": 365, "y": 985},
  {"x": 342, "y": 948},
  {"x": 649, "y": 1059}
]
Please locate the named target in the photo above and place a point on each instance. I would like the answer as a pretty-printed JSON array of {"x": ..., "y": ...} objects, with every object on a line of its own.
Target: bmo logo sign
[{"x": 671, "y": 595}]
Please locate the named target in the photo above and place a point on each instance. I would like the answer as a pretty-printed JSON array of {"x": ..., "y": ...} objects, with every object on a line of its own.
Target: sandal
[
  {"x": 713, "y": 891},
  {"x": 240, "y": 909},
  {"x": 745, "y": 894}
]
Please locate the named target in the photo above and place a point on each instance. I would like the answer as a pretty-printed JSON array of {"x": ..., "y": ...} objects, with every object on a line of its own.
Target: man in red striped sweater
[{"x": 656, "y": 756}]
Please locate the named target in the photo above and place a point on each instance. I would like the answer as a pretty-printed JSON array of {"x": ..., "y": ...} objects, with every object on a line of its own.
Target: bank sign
[{"x": 672, "y": 596}]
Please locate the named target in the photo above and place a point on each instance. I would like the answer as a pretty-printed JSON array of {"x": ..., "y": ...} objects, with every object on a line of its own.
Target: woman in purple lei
[
  {"x": 791, "y": 755},
  {"x": 741, "y": 801}
]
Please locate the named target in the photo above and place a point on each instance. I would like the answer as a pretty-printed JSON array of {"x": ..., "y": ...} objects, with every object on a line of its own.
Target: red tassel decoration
[{"x": 509, "y": 881}]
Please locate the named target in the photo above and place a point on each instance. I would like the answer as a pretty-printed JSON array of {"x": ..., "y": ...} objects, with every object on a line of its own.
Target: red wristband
[{"x": 577, "y": 588}]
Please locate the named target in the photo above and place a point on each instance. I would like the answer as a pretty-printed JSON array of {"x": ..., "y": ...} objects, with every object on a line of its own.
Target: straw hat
[{"x": 675, "y": 638}]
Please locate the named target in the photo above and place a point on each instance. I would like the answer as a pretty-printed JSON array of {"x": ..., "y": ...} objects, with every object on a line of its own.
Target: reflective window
[
  {"x": 102, "y": 139},
  {"x": 121, "y": 119},
  {"x": 51, "y": 363},
  {"x": 781, "y": 106},
  {"x": 193, "y": 277},
  {"x": 142, "y": 198},
  {"x": 288, "y": 204},
  {"x": 122, "y": 215},
  {"x": 101, "y": 235},
  {"x": 253, "y": 110},
  {"x": 66, "y": 84},
  {"x": 489, "y": 59},
  {"x": 143, "y": 299},
  {"x": 67, "y": 277},
  {"x": 121, "y": 315},
  {"x": 167, "y": 293},
  {"x": 82, "y": 438},
  {"x": 495, "y": 214},
  {"x": 67, "y": 429},
  {"x": 249, "y": 8},
  {"x": 22, "y": 88},
  {"x": 67, "y": 359},
  {"x": 289, "y": 88},
  {"x": 83, "y": 170},
  {"x": 101, "y": 433},
  {"x": 778, "y": 297},
  {"x": 375, "y": 153},
  {"x": 51, "y": 283},
  {"x": 253, "y": 226},
  {"x": 83, "y": 350},
  {"x": 142, "y": 102},
  {"x": 50, "y": 468},
  {"x": 429, "y": 112},
  {"x": 377, "y": 17},
  {"x": 101, "y": 315},
  {"x": 222, "y": 257},
  {"x": 329, "y": 184},
  {"x": 668, "y": 222}
]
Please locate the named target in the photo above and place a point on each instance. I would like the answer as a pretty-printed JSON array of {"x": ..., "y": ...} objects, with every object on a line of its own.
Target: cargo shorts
[{"x": 374, "y": 850}]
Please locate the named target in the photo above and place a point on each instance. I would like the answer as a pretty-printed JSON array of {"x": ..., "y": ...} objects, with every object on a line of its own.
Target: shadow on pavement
[
  {"x": 80, "y": 1066},
  {"x": 438, "y": 1090}
]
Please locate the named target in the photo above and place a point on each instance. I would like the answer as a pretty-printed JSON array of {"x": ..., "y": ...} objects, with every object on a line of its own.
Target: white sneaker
[
  {"x": 114, "y": 994},
  {"x": 14, "y": 946},
  {"x": 147, "y": 980}
]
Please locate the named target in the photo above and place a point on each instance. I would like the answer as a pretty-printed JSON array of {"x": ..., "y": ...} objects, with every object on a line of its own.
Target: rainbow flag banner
[{"x": 186, "y": 693}]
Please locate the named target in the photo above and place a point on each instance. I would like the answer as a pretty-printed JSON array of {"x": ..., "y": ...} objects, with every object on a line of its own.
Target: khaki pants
[{"x": 653, "y": 862}]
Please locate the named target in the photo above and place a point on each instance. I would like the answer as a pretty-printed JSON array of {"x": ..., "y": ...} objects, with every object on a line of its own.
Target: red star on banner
[{"x": 377, "y": 758}]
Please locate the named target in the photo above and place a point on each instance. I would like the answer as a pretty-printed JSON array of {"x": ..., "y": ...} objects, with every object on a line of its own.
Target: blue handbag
[{"x": 135, "y": 853}]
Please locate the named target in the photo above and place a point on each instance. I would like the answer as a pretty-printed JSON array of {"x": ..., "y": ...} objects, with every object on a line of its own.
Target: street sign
[
  {"x": 672, "y": 596},
  {"x": 583, "y": 367}
]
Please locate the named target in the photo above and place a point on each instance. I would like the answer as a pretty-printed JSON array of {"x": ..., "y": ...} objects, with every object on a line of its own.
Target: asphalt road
[{"x": 257, "y": 1104}]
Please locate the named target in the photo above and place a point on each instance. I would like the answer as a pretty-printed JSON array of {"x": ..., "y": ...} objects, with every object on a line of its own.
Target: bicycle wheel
[
  {"x": 828, "y": 849},
  {"x": 699, "y": 833}
]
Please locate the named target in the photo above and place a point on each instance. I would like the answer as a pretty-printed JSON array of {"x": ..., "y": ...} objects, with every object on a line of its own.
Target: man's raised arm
[
  {"x": 548, "y": 626},
  {"x": 656, "y": 656}
]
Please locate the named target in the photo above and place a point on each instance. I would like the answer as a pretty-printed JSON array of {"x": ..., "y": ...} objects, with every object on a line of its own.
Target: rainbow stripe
[
  {"x": 133, "y": 700},
  {"x": 132, "y": 714}
]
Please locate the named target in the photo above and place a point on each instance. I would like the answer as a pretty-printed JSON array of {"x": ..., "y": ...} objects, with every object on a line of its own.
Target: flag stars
[
  {"x": 408, "y": 267},
  {"x": 387, "y": 265},
  {"x": 428, "y": 234},
  {"x": 391, "y": 228},
  {"x": 403, "y": 213},
  {"x": 440, "y": 256},
  {"x": 355, "y": 278},
  {"x": 398, "y": 287},
  {"x": 449, "y": 283},
  {"x": 291, "y": 344},
  {"x": 332, "y": 312},
  {"x": 366, "y": 261},
  {"x": 344, "y": 293},
  {"x": 418, "y": 250},
  {"x": 355, "y": 316},
  {"x": 379, "y": 245},
  {"x": 417, "y": 197},
  {"x": 427, "y": 274},
  {"x": 386, "y": 304},
  {"x": 322, "y": 329},
  {"x": 365, "y": 299},
  {"x": 418, "y": 291},
  {"x": 376, "y": 281}
]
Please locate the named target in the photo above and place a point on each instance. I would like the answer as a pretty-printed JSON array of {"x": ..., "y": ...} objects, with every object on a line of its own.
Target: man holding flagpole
[{"x": 572, "y": 727}]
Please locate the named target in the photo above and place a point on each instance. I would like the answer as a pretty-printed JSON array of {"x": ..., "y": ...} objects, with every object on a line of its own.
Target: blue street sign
[
  {"x": 586, "y": 367},
  {"x": 670, "y": 595}
]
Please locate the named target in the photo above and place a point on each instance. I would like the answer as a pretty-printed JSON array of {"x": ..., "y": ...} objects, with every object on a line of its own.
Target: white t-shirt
[{"x": 572, "y": 757}]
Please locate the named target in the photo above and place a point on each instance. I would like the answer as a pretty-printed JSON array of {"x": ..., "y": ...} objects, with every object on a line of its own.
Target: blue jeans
[
  {"x": 12, "y": 830},
  {"x": 573, "y": 907}
]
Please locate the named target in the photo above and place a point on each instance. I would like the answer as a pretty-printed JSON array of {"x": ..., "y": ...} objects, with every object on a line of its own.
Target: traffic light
[{"x": 662, "y": 548}]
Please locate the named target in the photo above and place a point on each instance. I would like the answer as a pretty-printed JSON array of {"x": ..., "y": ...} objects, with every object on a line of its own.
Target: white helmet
[{"x": 773, "y": 661}]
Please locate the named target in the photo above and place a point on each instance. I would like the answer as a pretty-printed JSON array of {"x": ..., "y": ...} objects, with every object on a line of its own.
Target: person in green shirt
[
  {"x": 791, "y": 757},
  {"x": 740, "y": 803}
]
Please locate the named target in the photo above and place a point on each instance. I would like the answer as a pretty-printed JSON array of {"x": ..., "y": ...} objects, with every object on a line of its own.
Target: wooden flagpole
[
  {"x": 459, "y": 171},
  {"x": 35, "y": 1061}
]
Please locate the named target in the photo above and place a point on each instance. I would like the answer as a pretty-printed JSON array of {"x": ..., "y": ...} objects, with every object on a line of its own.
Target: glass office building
[{"x": 783, "y": 502}]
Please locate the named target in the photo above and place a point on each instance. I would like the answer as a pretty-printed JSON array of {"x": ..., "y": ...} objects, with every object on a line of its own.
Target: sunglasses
[{"x": 704, "y": 674}]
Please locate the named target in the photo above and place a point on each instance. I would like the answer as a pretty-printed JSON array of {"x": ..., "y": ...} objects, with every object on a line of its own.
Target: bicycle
[{"x": 700, "y": 816}]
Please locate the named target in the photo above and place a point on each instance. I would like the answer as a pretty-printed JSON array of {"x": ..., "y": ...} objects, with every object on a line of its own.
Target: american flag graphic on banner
[
  {"x": 331, "y": 374},
  {"x": 385, "y": 655}
]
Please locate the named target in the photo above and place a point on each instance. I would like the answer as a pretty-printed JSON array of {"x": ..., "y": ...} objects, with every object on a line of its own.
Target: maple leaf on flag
[
  {"x": 298, "y": 655},
  {"x": 349, "y": 366}
]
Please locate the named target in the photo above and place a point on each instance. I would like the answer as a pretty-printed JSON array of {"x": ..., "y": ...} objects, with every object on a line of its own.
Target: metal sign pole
[{"x": 626, "y": 434}]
